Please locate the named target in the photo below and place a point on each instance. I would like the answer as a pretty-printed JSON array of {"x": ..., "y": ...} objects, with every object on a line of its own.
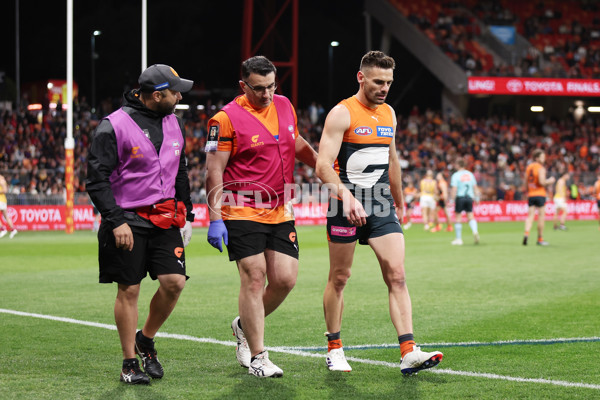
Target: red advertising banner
[
  {"x": 44, "y": 218},
  {"x": 534, "y": 86},
  {"x": 497, "y": 211}
]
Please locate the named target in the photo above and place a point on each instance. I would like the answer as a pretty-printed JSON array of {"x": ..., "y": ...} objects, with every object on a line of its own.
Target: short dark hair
[
  {"x": 376, "y": 58},
  {"x": 537, "y": 153},
  {"x": 257, "y": 65},
  {"x": 460, "y": 162}
]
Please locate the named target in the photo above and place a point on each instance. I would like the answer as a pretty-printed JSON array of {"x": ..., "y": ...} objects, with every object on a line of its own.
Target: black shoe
[
  {"x": 148, "y": 355},
  {"x": 133, "y": 375},
  {"x": 524, "y": 240}
]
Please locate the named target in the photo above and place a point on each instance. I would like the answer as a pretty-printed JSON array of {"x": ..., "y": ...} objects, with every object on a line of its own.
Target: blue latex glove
[{"x": 217, "y": 232}]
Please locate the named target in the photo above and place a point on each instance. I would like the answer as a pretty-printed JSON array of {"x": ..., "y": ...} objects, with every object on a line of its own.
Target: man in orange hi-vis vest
[
  {"x": 358, "y": 161},
  {"x": 535, "y": 177},
  {"x": 252, "y": 146}
]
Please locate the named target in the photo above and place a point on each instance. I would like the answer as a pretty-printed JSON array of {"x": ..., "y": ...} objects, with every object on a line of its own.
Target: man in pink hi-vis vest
[
  {"x": 251, "y": 150},
  {"x": 137, "y": 161}
]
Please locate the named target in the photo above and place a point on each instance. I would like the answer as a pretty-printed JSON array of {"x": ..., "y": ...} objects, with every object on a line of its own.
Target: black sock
[
  {"x": 129, "y": 363},
  {"x": 254, "y": 357},
  {"x": 143, "y": 339},
  {"x": 240, "y": 324},
  {"x": 404, "y": 338}
]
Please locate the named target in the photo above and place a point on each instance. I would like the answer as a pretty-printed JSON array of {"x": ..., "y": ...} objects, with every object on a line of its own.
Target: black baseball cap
[{"x": 161, "y": 77}]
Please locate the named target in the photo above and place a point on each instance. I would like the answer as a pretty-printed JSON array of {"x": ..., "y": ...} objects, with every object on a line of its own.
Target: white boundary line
[
  {"x": 455, "y": 344},
  {"x": 288, "y": 350}
]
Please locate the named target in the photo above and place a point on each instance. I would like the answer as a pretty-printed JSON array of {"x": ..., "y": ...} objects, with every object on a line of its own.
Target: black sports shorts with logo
[
  {"x": 156, "y": 251},
  {"x": 248, "y": 238},
  {"x": 381, "y": 221},
  {"x": 537, "y": 201},
  {"x": 463, "y": 203}
]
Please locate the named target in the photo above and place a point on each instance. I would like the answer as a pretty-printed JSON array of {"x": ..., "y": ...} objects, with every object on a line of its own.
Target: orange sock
[
  {"x": 334, "y": 344},
  {"x": 407, "y": 341},
  {"x": 334, "y": 341},
  {"x": 406, "y": 347}
]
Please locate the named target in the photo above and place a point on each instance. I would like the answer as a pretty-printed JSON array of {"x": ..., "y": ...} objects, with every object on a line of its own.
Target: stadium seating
[{"x": 497, "y": 150}]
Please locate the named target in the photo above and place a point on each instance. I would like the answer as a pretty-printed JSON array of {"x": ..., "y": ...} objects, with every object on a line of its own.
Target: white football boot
[
  {"x": 336, "y": 361},
  {"x": 417, "y": 360},
  {"x": 242, "y": 350},
  {"x": 263, "y": 367},
  {"x": 457, "y": 242}
]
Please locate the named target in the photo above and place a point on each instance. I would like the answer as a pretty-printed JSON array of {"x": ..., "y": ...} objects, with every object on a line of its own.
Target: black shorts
[
  {"x": 155, "y": 251},
  {"x": 536, "y": 201},
  {"x": 598, "y": 205},
  {"x": 339, "y": 230},
  {"x": 441, "y": 203},
  {"x": 463, "y": 203},
  {"x": 248, "y": 238}
]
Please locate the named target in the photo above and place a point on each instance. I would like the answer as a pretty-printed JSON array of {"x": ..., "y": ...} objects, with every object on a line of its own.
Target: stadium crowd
[
  {"x": 564, "y": 36},
  {"x": 497, "y": 149}
]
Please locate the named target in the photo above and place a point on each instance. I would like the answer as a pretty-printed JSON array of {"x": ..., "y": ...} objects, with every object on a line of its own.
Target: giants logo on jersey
[
  {"x": 366, "y": 166},
  {"x": 363, "y": 131}
]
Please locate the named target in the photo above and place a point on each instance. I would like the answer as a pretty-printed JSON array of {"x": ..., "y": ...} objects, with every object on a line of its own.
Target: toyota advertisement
[
  {"x": 534, "y": 86},
  {"x": 43, "y": 218}
]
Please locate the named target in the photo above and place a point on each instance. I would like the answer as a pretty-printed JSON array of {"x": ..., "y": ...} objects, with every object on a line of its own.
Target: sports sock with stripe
[
  {"x": 333, "y": 341},
  {"x": 407, "y": 342}
]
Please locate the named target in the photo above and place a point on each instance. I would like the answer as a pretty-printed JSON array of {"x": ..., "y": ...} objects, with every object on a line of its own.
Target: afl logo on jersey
[{"x": 363, "y": 131}]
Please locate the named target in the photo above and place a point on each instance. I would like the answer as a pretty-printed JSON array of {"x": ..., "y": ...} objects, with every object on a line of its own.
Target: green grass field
[{"x": 513, "y": 322}]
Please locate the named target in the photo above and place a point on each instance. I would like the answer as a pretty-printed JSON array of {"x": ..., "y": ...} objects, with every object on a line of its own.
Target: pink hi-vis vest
[
  {"x": 257, "y": 174},
  {"x": 142, "y": 177}
]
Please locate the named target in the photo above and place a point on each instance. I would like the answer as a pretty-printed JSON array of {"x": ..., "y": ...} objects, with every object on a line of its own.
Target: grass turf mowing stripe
[{"x": 293, "y": 351}]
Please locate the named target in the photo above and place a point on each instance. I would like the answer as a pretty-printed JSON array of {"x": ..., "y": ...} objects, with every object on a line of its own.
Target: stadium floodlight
[
  {"x": 536, "y": 108},
  {"x": 332, "y": 44},
  {"x": 93, "y": 58},
  {"x": 182, "y": 107},
  {"x": 593, "y": 109}
]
